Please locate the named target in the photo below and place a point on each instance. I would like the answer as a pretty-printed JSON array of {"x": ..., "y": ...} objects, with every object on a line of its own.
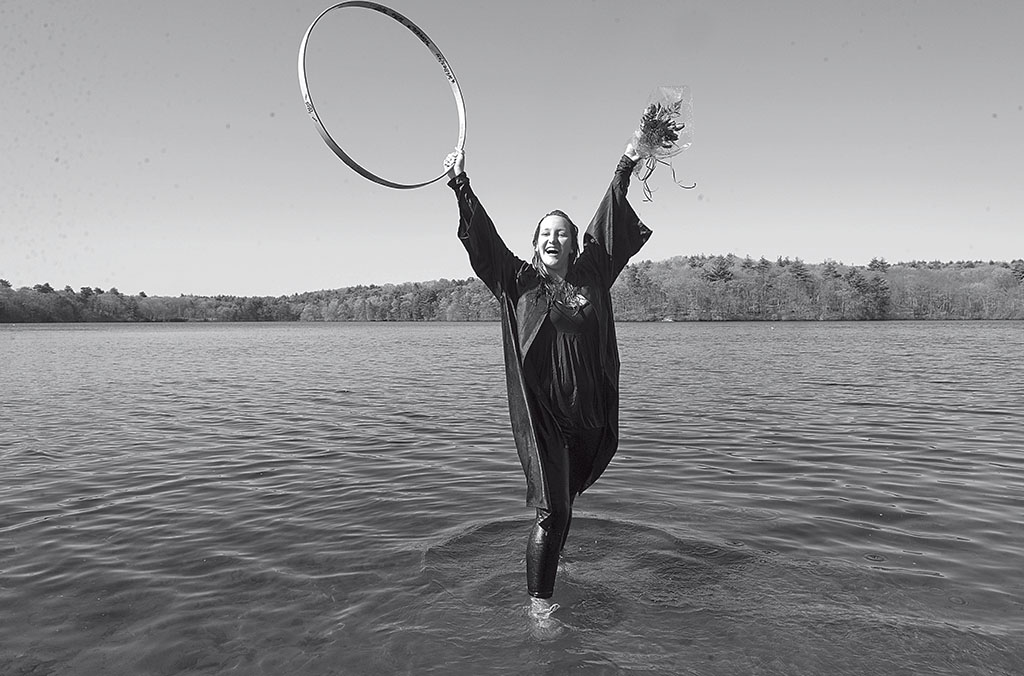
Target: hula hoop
[{"x": 326, "y": 136}]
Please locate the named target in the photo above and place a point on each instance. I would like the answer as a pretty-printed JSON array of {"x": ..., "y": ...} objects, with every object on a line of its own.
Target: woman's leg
[
  {"x": 581, "y": 446},
  {"x": 549, "y": 530},
  {"x": 542, "y": 550}
]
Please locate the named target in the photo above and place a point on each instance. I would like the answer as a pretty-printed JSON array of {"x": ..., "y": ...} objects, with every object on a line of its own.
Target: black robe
[{"x": 615, "y": 234}]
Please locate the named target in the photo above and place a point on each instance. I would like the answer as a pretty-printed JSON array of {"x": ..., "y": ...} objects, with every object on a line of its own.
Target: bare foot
[{"x": 543, "y": 625}]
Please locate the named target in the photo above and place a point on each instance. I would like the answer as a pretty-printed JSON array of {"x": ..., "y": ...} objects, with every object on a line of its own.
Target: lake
[{"x": 788, "y": 498}]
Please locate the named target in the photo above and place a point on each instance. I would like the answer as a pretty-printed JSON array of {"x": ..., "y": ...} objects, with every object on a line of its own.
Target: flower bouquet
[{"x": 665, "y": 130}]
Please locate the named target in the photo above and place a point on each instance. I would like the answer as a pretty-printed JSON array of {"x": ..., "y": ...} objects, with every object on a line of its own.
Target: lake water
[{"x": 790, "y": 498}]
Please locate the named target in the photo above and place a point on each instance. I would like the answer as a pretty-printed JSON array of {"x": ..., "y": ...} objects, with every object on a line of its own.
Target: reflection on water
[{"x": 319, "y": 499}]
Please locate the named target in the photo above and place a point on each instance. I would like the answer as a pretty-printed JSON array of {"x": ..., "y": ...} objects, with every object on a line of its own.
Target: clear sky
[{"x": 164, "y": 146}]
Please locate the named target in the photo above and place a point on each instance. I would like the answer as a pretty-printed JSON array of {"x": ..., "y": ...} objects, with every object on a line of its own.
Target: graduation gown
[{"x": 614, "y": 235}]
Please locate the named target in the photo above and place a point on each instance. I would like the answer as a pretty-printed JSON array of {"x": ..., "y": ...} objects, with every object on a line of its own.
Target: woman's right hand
[{"x": 455, "y": 163}]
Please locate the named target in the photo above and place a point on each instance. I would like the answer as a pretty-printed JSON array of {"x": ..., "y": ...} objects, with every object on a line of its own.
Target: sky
[{"x": 164, "y": 147}]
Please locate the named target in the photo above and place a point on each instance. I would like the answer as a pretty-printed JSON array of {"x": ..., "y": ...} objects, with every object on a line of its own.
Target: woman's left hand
[{"x": 631, "y": 152}]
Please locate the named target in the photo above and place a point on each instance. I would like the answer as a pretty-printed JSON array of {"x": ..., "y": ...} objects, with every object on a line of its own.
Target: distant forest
[{"x": 684, "y": 288}]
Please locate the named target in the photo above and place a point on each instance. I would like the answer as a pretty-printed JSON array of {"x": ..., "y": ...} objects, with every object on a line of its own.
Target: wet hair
[
  {"x": 557, "y": 289},
  {"x": 574, "y": 237}
]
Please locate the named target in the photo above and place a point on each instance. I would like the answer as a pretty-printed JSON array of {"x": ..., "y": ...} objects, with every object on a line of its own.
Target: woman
[{"x": 561, "y": 357}]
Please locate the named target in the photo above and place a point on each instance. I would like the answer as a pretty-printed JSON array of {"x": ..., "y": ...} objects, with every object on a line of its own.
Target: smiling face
[{"x": 554, "y": 243}]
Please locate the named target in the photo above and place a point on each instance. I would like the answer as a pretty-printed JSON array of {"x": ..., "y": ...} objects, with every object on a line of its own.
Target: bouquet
[{"x": 665, "y": 130}]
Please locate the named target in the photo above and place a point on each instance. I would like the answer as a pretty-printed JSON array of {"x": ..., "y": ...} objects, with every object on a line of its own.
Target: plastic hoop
[{"x": 326, "y": 136}]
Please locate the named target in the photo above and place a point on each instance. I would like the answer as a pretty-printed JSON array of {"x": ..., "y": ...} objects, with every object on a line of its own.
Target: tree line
[{"x": 683, "y": 288}]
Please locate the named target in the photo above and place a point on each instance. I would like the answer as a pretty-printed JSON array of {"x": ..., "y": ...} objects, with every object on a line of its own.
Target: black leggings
[{"x": 565, "y": 474}]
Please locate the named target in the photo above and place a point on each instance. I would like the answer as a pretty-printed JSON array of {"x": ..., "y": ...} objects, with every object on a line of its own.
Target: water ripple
[{"x": 801, "y": 498}]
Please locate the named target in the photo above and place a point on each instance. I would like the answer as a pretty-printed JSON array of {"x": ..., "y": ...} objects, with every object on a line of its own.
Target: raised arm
[
  {"x": 615, "y": 233},
  {"x": 492, "y": 261}
]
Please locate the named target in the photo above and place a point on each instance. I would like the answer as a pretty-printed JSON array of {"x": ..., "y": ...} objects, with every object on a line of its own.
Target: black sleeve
[
  {"x": 615, "y": 233},
  {"x": 493, "y": 263}
]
